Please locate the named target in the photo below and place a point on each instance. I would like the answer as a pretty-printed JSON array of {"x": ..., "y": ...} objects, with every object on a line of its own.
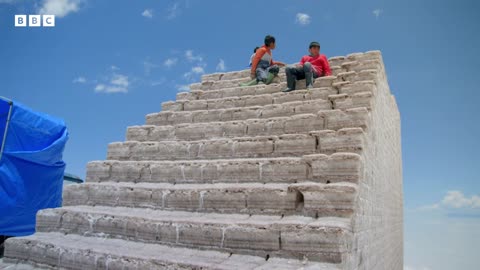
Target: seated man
[
  {"x": 310, "y": 67},
  {"x": 264, "y": 69}
]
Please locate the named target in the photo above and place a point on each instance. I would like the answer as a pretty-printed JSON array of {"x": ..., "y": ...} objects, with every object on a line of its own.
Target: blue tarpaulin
[{"x": 31, "y": 166}]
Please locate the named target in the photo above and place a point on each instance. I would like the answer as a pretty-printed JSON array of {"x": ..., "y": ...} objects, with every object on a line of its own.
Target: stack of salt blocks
[{"x": 230, "y": 177}]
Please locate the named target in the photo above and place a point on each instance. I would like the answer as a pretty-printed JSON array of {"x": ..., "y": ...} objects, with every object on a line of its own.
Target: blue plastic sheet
[
  {"x": 4, "y": 110},
  {"x": 31, "y": 167}
]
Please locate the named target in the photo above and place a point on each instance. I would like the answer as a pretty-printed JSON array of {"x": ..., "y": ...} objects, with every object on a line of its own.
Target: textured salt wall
[{"x": 378, "y": 218}]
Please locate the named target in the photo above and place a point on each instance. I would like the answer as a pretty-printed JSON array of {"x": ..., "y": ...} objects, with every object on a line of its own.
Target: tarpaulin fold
[{"x": 31, "y": 167}]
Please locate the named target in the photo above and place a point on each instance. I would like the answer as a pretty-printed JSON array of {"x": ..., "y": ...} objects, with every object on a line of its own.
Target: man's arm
[
  {"x": 278, "y": 63},
  {"x": 326, "y": 67}
]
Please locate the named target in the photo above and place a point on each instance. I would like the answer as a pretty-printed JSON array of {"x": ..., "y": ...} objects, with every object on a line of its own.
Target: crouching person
[
  {"x": 264, "y": 69},
  {"x": 310, "y": 67}
]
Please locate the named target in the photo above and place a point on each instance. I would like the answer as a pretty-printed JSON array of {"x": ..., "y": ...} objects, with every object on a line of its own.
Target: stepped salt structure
[{"x": 241, "y": 178}]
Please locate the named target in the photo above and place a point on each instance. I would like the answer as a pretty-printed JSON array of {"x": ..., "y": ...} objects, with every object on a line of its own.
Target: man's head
[
  {"x": 270, "y": 42},
  {"x": 314, "y": 48}
]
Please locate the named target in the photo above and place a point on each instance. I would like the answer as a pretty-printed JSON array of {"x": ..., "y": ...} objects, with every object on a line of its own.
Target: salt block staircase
[{"x": 241, "y": 178}]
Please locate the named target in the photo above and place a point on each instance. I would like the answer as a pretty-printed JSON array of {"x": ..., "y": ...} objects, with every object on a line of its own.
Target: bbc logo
[{"x": 34, "y": 20}]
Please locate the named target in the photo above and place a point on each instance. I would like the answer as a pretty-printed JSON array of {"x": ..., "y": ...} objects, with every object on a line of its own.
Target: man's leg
[
  {"x": 272, "y": 72},
  {"x": 250, "y": 83},
  {"x": 291, "y": 78},
  {"x": 262, "y": 74},
  {"x": 293, "y": 73},
  {"x": 309, "y": 74},
  {"x": 314, "y": 77}
]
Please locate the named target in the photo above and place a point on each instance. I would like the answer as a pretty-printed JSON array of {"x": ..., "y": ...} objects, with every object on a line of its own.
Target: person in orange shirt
[
  {"x": 310, "y": 67},
  {"x": 264, "y": 69}
]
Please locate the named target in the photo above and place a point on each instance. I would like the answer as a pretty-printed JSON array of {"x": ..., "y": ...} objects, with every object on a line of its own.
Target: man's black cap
[{"x": 314, "y": 44}]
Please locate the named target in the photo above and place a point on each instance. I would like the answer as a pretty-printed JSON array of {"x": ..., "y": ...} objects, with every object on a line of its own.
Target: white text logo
[{"x": 34, "y": 20}]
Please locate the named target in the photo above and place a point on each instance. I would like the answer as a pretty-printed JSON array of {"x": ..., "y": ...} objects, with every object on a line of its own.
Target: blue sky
[{"x": 106, "y": 64}]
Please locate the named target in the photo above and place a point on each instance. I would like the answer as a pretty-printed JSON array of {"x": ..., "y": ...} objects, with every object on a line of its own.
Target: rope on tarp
[{"x": 10, "y": 103}]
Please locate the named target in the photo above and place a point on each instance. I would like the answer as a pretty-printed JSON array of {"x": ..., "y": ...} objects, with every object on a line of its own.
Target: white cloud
[
  {"x": 120, "y": 80},
  {"x": 113, "y": 67},
  {"x": 198, "y": 70},
  {"x": 221, "y": 65},
  {"x": 59, "y": 8},
  {"x": 148, "y": 66},
  {"x": 183, "y": 87},
  {"x": 377, "y": 12},
  {"x": 170, "y": 62},
  {"x": 80, "y": 80},
  {"x": 173, "y": 11},
  {"x": 455, "y": 199},
  {"x": 109, "y": 89},
  {"x": 302, "y": 19},
  {"x": 118, "y": 84},
  {"x": 199, "y": 65},
  {"x": 148, "y": 13},
  {"x": 100, "y": 87},
  {"x": 191, "y": 57}
]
